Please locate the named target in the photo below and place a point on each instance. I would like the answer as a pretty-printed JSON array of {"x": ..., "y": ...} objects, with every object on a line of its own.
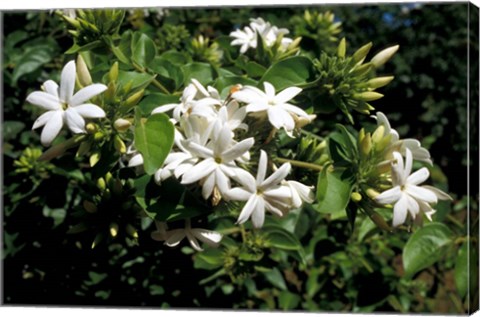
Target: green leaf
[
  {"x": 292, "y": 71},
  {"x": 288, "y": 301},
  {"x": 176, "y": 58},
  {"x": 333, "y": 191},
  {"x": 466, "y": 273},
  {"x": 143, "y": 49},
  {"x": 153, "y": 139},
  {"x": 169, "y": 74},
  {"x": 209, "y": 259},
  {"x": 11, "y": 129},
  {"x": 155, "y": 100},
  {"x": 280, "y": 238},
  {"x": 57, "y": 214},
  {"x": 276, "y": 278},
  {"x": 200, "y": 71},
  {"x": 254, "y": 69},
  {"x": 425, "y": 247},
  {"x": 138, "y": 80},
  {"x": 33, "y": 58}
]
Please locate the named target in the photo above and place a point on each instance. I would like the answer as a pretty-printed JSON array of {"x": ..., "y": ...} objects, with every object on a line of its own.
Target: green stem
[
  {"x": 455, "y": 221},
  {"x": 155, "y": 82},
  {"x": 302, "y": 164}
]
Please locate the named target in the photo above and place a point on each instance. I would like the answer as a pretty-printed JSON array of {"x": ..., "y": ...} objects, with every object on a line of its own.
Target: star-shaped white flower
[
  {"x": 173, "y": 237},
  {"x": 406, "y": 196},
  {"x": 300, "y": 193},
  {"x": 63, "y": 107},
  {"x": 262, "y": 194},
  {"x": 218, "y": 164},
  {"x": 280, "y": 113},
  {"x": 418, "y": 152}
]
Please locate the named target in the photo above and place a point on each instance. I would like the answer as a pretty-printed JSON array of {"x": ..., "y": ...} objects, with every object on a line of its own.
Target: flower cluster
[
  {"x": 247, "y": 38},
  {"x": 405, "y": 194},
  {"x": 210, "y": 152}
]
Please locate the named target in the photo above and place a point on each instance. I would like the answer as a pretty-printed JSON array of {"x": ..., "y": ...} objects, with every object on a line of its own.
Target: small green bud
[
  {"x": 367, "y": 96},
  {"x": 366, "y": 145},
  {"x": 109, "y": 179},
  {"x": 98, "y": 136},
  {"x": 356, "y": 197},
  {"x": 361, "y": 135},
  {"x": 383, "y": 57},
  {"x": 119, "y": 144},
  {"x": 384, "y": 142},
  {"x": 372, "y": 193},
  {"x": 131, "y": 231},
  {"x": 111, "y": 91},
  {"x": 134, "y": 99},
  {"x": 361, "y": 53},
  {"x": 122, "y": 125},
  {"x": 113, "y": 74},
  {"x": 378, "y": 134},
  {"x": 89, "y": 206},
  {"x": 97, "y": 240},
  {"x": 73, "y": 22},
  {"x": 101, "y": 184},
  {"x": 378, "y": 82},
  {"x": 83, "y": 149},
  {"x": 94, "y": 158},
  {"x": 91, "y": 128},
  {"x": 362, "y": 70},
  {"x": 113, "y": 229},
  {"x": 82, "y": 72},
  {"x": 342, "y": 48}
]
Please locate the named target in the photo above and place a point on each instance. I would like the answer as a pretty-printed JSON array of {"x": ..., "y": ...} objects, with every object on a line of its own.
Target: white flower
[
  {"x": 218, "y": 164},
  {"x": 63, "y": 106},
  {"x": 173, "y": 237},
  {"x": 281, "y": 114},
  {"x": 418, "y": 152},
  {"x": 262, "y": 194},
  {"x": 300, "y": 193},
  {"x": 407, "y": 196},
  {"x": 195, "y": 100},
  {"x": 230, "y": 115}
]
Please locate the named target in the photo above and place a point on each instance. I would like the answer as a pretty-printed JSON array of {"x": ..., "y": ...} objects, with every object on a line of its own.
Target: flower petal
[
  {"x": 245, "y": 179},
  {"x": 43, "y": 119},
  {"x": 418, "y": 177},
  {"x": 174, "y": 237},
  {"x": 238, "y": 194},
  {"x": 165, "y": 108},
  {"x": 408, "y": 163},
  {"x": 67, "y": 82},
  {"x": 421, "y": 193},
  {"x": 237, "y": 150},
  {"x": 222, "y": 182},
  {"x": 87, "y": 93},
  {"x": 412, "y": 207},
  {"x": 51, "y": 88},
  {"x": 398, "y": 176},
  {"x": 197, "y": 149},
  {"x": 258, "y": 214},
  {"x": 439, "y": 193},
  {"x": 222, "y": 141},
  {"x": 90, "y": 111},
  {"x": 389, "y": 196},
  {"x": 262, "y": 167},
  {"x": 136, "y": 160},
  {"x": 44, "y": 100},
  {"x": 280, "y": 193},
  {"x": 52, "y": 128},
  {"x": 74, "y": 121},
  {"x": 277, "y": 176},
  {"x": 286, "y": 95},
  {"x": 247, "y": 209},
  {"x": 296, "y": 110},
  {"x": 199, "y": 171},
  {"x": 279, "y": 118},
  {"x": 207, "y": 187},
  {"x": 193, "y": 241},
  {"x": 269, "y": 90},
  {"x": 212, "y": 238},
  {"x": 400, "y": 211}
]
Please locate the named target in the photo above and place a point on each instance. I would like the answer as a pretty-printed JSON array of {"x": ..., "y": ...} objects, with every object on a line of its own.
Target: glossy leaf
[
  {"x": 289, "y": 72},
  {"x": 143, "y": 49},
  {"x": 333, "y": 191},
  {"x": 153, "y": 139},
  {"x": 425, "y": 247}
]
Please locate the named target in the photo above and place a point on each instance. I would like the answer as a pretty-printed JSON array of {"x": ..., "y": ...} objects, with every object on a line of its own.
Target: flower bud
[
  {"x": 372, "y": 193},
  {"x": 378, "y": 82},
  {"x": 101, "y": 184},
  {"x": 73, "y": 22},
  {"x": 131, "y": 231},
  {"x": 342, "y": 48},
  {"x": 113, "y": 229},
  {"x": 82, "y": 72},
  {"x": 361, "y": 135},
  {"x": 122, "y": 125},
  {"x": 134, "y": 99},
  {"x": 83, "y": 149},
  {"x": 94, "y": 158},
  {"x": 109, "y": 94},
  {"x": 89, "y": 206},
  {"x": 367, "y": 96},
  {"x": 383, "y": 57},
  {"x": 362, "y": 69},
  {"x": 361, "y": 53},
  {"x": 113, "y": 74},
  {"x": 378, "y": 134},
  {"x": 366, "y": 145},
  {"x": 356, "y": 197},
  {"x": 119, "y": 144},
  {"x": 98, "y": 136},
  {"x": 91, "y": 128},
  {"x": 97, "y": 240}
]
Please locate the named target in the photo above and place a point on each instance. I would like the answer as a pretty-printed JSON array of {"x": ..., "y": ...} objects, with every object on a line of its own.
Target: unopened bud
[
  {"x": 122, "y": 125},
  {"x": 97, "y": 240},
  {"x": 94, "y": 158},
  {"x": 378, "y": 134},
  {"x": 300, "y": 122},
  {"x": 356, "y": 197},
  {"x": 378, "y": 82},
  {"x": 113, "y": 230},
  {"x": 361, "y": 53},
  {"x": 383, "y": 143},
  {"x": 98, "y": 136},
  {"x": 383, "y": 57},
  {"x": 109, "y": 179},
  {"x": 113, "y": 74},
  {"x": 89, "y": 206},
  {"x": 91, "y": 128},
  {"x": 82, "y": 72},
  {"x": 366, "y": 145},
  {"x": 73, "y": 22},
  {"x": 361, "y": 135},
  {"x": 101, "y": 184},
  {"x": 372, "y": 193},
  {"x": 134, "y": 99},
  {"x": 342, "y": 48},
  {"x": 362, "y": 70},
  {"x": 131, "y": 231},
  {"x": 119, "y": 144},
  {"x": 367, "y": 96},
  {"x": 111, "y": 91}
]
